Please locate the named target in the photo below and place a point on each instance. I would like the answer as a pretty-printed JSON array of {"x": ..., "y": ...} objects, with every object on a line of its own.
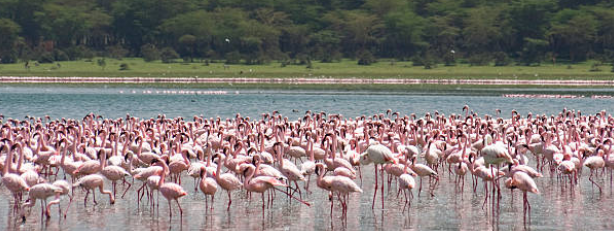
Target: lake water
[
  {"x": 579, "y": 208},
  {"x": 16, "y": 101}
]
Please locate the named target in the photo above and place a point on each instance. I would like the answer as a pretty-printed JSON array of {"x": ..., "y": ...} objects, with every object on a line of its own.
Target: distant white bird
[{"x": 227, "y": 40}]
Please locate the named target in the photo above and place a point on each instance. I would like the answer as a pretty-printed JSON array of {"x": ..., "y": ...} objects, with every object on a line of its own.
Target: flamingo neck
[
  {"x": 163, "y": 174},
  {"x": 311, "y": 155},
  {"x": 7, "y": 161}
]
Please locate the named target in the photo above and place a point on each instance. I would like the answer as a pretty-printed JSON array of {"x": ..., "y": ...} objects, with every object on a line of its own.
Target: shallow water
[
  {"x": 581, "y": 208},
  {"x": 16, "y": 101}
]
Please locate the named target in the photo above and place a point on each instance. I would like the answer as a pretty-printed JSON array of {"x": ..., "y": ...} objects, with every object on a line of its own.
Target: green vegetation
[
  {"x": 434, "y": 34},
  {"x": 136, "y": 67}
]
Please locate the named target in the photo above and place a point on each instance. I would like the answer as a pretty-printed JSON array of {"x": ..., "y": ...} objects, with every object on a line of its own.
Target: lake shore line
[{"x": 302, "y": 81}]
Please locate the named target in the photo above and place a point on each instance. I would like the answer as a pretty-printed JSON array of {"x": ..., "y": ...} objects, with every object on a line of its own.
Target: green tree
[
  {"x": 188, "y": 44},
  {"x": 482, "y": 31},
  {"x": 73, "y": 22},
  {"x": 529, "y": 21},
  {"x": 361, "y": 30},
  {"x": 9, "y": 31},
  {"x": 403, "y": 34},
  {"x": 573, "y": 31}
]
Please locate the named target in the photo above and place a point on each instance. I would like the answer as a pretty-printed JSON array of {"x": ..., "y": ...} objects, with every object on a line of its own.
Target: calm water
[
  {"x": 113, "y": 102},
  {"x": 578, "y": 209}
]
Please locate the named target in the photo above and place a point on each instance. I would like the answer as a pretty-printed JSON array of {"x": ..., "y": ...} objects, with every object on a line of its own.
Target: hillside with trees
[{"x": 478, "y": 32}]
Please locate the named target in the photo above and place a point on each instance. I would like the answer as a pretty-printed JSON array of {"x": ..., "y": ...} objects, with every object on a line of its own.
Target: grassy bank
[{"x": 136, "y": 67}]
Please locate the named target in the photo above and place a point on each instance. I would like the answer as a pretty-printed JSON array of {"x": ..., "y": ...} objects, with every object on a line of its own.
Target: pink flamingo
[
  {"x": 42, "y": 192},
  {"x": 406, "y": 184},
  {"x": 12, "y": 181},
  {"x": 227, "y": 181},
  {"x": 525, "y": 183},
  {"x": 379, "y": 155},
  {"x": 260, "y": 184},
  {"x": 207, "y": 185},
  {"x": 344, "y": 186},
  {"x": 93, "y": 166},
  {"x": 91, "y": 182},
  {"x": 170, "y": 191}
]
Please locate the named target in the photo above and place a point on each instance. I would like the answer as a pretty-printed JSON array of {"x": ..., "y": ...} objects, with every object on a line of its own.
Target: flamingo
[
  {"x": 91, "y": 182},
  {"x": 422, "y": 170},
  {"x": 260, "y": 184},
  {"x": 526, "y": 184},
  {"x": 13, "y": 182},
  {"x": 495, "y": 154},
  {"x": 287, "y": 168},
  {"x": 207, "y": 185},
  {"x": 93, "y": 166},
  {"x": 114, "y": 173},
  {"x": 594, "y": 163},
  {"x": 406, "y": 184},
  {"x": 170, "y": 191},
  {"x": 66, "y": 188},
  {"x": 41, "y": 192},
  {"x": 344, "y": 186},
  {"x": 378, "y": 154},
  {"x": 227, "y": 181}
]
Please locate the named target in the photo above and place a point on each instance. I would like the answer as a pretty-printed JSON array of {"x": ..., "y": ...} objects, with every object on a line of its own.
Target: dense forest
[{"x": 479, "y": 32}]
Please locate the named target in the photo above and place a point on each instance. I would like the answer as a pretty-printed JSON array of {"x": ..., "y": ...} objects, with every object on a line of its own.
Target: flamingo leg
[
  {"x": 87, "y": 193},
  {"x": 180, "y": 209},
  {"x": 111, "y": 197},
  {"x": 67, "y": 207},
  {"x": 230, "y": 201},
  {"x": 374, "y": 191},
  {"x": 420, "y": 187},
  {"x": 590, "y": 178},
  {"x": 382, "y": 193},
  {"x": 126, "y": 190},
  {"x": 262, "y": 195},
  {"x": 170, "y": 210}
]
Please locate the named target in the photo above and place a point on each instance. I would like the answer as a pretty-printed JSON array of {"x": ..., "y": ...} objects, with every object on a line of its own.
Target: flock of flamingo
[
  {"x": 555, "y": 96},
  {"x": 42, "y": 158}
]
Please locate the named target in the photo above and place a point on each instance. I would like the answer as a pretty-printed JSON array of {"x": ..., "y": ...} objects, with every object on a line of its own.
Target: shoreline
[{"x": 301, "y": 81}]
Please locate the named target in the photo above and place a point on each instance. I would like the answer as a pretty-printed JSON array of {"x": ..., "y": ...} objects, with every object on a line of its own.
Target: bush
[
  {"x": 417, "y": 61},
  {"x": 479, "y": 60},
  {"x": 303, "y": 59},
  {"x": 594, "y": 68},
  {"x": 168, "y": 54},
  {"x": 117, "y": 52},
  {"x": 332, "y": 56},
  {"x": 256, "y": 59},
  {"x": 501, "y": 59},
  {"x": 233, "y": 57},
  {"x": 449, "y": 59},
  {"x": 102, "y": 63},
  {"x": 60, "y": 55},
  {"x": 8, "y": 58},
  {"x": 46, "y": 57},
  {"x": 150, "y": 52},
  {"x": 124, "y": 67},
  {"x": 429, "y": 63},
  {"x": 366, "y": 58},
  {"x": 79, "y": 52}
]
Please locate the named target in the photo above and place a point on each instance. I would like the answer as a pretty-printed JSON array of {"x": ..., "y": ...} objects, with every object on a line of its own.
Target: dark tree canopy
[{"x": 479, "y": 32}]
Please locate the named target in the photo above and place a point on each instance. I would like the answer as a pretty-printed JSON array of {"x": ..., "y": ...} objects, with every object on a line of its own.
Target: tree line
[{"x": 479, "y": 32}]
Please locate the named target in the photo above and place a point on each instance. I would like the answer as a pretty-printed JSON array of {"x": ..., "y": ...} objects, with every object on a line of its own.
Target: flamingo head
[
  {"x": 364, "y": 159},
  {"x": 509, "y": 183}
]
